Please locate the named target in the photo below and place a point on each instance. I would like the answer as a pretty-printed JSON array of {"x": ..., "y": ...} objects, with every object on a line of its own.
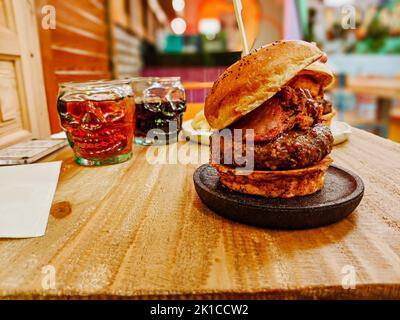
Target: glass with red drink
[{"x": 99, "y": 120}]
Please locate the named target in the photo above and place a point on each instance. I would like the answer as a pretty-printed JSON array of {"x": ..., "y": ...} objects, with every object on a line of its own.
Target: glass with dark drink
[
  {"x": 99, "y": 119},
  {"x": 160, "y": 104}
]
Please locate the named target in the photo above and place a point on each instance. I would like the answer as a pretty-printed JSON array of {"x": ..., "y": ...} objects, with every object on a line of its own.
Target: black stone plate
[{"x": 341, "y": 195}]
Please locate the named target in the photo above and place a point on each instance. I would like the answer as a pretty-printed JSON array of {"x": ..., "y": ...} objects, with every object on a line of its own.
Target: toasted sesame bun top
[{"x": 255, "y": 78}]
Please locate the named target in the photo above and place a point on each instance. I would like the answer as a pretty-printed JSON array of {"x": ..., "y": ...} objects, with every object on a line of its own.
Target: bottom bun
[
  {"x": 327, "y": 118},
  {"x": 275, "y": 184}
]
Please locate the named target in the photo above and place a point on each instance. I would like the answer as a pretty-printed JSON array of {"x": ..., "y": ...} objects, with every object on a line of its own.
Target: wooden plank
[
  {"x": 144, "y": 233},
  {"x": 198, "y": 85},
  {"x": 64, "y": 36},
  {"x": 71, "y": 59},
  {"x": 77, "y": 17},
  {"x": 84, "y": 8},
  {"x": 96, "y": 9},
  {"x": 80, "y": 43},
  {"x": 118, "y": 13},
  {"x": 3, "y": 17},
  {"x": 82, "y": 76},
  {"x": 136, "y": 20},
  {"x": 127, "y": 59}
]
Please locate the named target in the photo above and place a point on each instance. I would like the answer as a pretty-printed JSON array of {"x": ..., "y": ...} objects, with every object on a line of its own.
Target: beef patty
[{"x": 294, "y": 149}]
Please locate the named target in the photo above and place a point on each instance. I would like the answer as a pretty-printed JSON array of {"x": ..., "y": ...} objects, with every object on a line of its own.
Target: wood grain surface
[
  {"x": 76, "y": 50},
  {"x": 137, "y": 230}
]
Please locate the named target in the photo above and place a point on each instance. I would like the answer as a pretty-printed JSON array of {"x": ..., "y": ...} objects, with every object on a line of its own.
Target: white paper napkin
[{"x": 26, "y": 195}]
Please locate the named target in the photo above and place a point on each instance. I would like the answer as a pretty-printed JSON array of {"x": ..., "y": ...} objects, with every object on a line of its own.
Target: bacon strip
[{"x": 289, "y": 108}]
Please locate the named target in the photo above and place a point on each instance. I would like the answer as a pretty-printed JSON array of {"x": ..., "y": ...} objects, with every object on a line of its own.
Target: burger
[{"x": 274, "y": 97}]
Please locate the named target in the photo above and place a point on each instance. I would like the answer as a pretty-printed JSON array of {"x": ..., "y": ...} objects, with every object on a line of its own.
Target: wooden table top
[
  {"x": 140, "y": 231},
  {"x": 375, "y": 86}
]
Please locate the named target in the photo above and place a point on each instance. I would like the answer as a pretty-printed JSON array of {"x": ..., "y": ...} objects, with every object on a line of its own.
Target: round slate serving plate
[{"x": 341, "y": 195}]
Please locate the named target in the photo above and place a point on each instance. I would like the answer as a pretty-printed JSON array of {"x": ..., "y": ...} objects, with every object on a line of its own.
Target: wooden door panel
[
  {"x": 9, "y": 44},
  {"x": 13, "y": 126},
  {"x": 11, "y": 95},
  {"x": 4, "y": 19},
  {"x": 23, "y": 113},
  {"x": 9, "y": 102}
]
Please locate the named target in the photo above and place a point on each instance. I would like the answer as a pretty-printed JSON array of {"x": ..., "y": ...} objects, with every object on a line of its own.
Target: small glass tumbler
[
  {"x": 160, "y": 104},
  {"x": 99, "y": 120}
]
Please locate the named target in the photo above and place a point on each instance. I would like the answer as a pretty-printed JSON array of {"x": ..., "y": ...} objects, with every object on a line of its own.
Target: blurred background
[{"x": 199, "y": 39}]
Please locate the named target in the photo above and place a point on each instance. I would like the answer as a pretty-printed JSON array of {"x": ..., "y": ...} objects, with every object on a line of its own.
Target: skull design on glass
[
  {"x": 160, "y": 104},
  {"x": 99, "y": 119}
]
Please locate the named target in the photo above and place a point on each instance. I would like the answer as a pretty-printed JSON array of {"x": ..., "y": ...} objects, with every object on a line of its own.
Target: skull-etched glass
[
  {"x": 99, "y": 120},
  {"x": 160, "y": 104}
]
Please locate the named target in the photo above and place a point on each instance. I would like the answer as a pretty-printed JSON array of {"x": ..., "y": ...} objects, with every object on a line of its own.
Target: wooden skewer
[{"x": 238, "y": 12}]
